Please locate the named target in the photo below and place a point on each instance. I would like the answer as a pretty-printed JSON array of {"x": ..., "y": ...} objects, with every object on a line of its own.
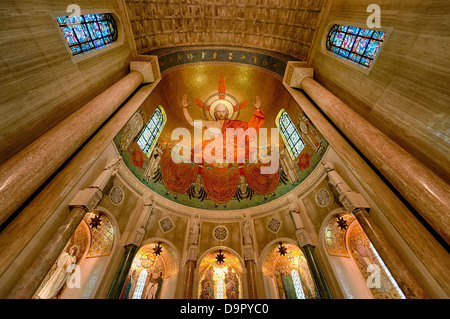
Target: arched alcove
[
  {"x": 220, "y": 275},
  {"x": 359, "y": 270},
  {"x": 153, "y": 273},
  {"x": 79, "y": 268},
  {"x": 286, "y": 272}
]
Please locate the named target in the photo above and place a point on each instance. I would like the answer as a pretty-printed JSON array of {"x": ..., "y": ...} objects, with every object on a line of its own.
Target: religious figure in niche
[
  {"x": 310, "y": 134},
  {"x": 60, "y": 275},
  {"x": 365, "y": 256},
  {"x": 288, "y": 285},
  {"x": 132, "y": 129},
  {"x": 216, "y": 129},
  {"x": 153, "y": 163},
  {"x": 194, "y": 232},
  {"x": 247, "y": 232},
  {"x": 207, "y": 285},
  {"x": 280, "y": 288},
  {"x": 130, "y": 285},
  {"x": 152, "y": 286},
  {"x": 231, "y": 284}
]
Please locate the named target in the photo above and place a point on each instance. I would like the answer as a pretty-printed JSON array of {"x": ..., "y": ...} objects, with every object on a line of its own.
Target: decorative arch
[
  {"x": 152, "y": 275},
  {"x": 287, "y": 276},
  {"x": 222, "y": 280},
  {"x": 93, "y": 246},
  {"x": 359, "y": 269}
]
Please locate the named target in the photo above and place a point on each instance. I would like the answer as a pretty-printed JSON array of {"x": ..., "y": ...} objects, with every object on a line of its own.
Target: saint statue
[
  {"x": 207, "y": 149},
  {"x": 194, "y": 232},
  {"x": 247, "y": 233},
  {"x": 60, "y": 275}
]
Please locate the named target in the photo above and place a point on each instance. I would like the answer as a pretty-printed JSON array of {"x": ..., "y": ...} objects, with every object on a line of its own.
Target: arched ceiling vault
[{"x": 285, "y": 26}]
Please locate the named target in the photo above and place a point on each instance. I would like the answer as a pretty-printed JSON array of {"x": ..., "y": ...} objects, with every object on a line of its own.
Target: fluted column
[
  {"x": 22, "y": 174},
  {"x": 356, "y": 204},
  {"x": 426, "y": 191}
]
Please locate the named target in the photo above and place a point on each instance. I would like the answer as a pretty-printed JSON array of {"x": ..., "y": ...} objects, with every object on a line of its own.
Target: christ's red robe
[{"x": 241, "y": 141}]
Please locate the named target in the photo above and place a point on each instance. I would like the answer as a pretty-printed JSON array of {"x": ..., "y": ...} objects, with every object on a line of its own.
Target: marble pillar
[
  {"x": 33, "y": 217},
  {"x": 189, "y": 281},
  {"x": 26, "y": 171},
  {"x": 307, "y": 245},
  {"x": 434, "y": 277},
  {"x": 407, "y": 283},
  {"x": 191, "y": 265},
  {"x": 250, "y": 266},
  {"x": 122, "y": 271},
  {"x": 33, "y": 277},
  {"x": 356, "y": 204},
  {"x": 423, "y": 189},
  {"x": 316, "y": 272}
]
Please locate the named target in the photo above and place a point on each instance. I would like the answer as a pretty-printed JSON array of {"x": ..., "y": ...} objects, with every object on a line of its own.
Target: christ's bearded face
[{"x": 221, "y": 112}]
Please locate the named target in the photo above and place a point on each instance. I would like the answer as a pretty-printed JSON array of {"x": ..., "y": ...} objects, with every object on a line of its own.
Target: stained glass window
[
  {"x": 140, "y": 284},
  {"x": 290, "y": 134},
  {"x": 151, "y": 130},
  {"x": 88, "y": 32},
  {"x": 394, "y": 283},
  {"x": 357, "y": 45},
  {"x": 297, "y": 284}
]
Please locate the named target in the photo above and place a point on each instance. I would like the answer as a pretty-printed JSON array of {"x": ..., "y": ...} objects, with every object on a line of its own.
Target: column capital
[
  {"x": 145, "y": 68},
  {"x": 353, "y": 201},
  {"x": 303, "y": 237},
  {"x": 136, "y": 237},
  {"x": 87, "y": 198},
  {"x": 298, "y": 74},
  {"x": 192, "y": 253},
  {"x": 248, "y": 252}
]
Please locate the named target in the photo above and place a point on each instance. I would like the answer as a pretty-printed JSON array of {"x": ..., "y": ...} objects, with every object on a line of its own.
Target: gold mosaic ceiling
[{"x": 285, "y": 26}]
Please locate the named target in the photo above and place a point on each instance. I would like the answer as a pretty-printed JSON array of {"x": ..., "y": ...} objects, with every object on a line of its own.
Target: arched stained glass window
[
  {"x": 357, "y": 45},
  {"x": 149, "y": 135},
  {"x": 140, "y": 285},
  {"x": 297, "y": 284},
  {"x": 290, "y": 134},
  {"x": 88, "y": 32}
]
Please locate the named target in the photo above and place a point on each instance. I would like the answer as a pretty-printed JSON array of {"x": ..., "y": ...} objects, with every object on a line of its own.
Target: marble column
[
  {"x": 38, "y": 211},
  {"x": 26, "y": 171},
  {"x": 122, "y": 271},
  {"x": 35, "y": 274},
  {"x": 189, "y": 282},
  {"x": 249, "y": 257},
  {"x": 33, "y": 277},
  {"x": 191, "y": 265},
  {"x": 250, "y": 266},
  {"x": 405, "y": 280},
  {"x": 84, "y": 201},
  {"x": 423, "y": 189},
  {"x": 132, "y": 245},
  {"x": 316, "y": 272},
  {"x": 307, "y": 245},
  {"x": 356, "y": 204}
]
